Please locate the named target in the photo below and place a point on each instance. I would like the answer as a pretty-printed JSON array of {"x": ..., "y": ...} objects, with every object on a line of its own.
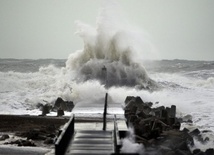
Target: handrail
[{"x": 64, "y": 137}]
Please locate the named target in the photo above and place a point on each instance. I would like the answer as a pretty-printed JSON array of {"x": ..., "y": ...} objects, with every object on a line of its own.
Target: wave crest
[{"x": 108, "y": 54}]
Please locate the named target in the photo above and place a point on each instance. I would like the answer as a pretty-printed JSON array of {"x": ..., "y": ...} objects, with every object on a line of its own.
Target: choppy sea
[{"x": 187, "y": 84}]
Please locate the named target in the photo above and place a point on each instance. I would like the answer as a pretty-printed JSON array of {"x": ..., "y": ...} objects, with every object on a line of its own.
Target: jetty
[{"x": 92, "y": 137}]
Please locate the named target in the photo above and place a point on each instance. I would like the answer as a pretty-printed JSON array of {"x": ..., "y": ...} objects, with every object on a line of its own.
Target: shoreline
[
  {"x": 29, "y": 134},
  {"x": 42, "y": 131},
  {"x": 15, "y": 123}
]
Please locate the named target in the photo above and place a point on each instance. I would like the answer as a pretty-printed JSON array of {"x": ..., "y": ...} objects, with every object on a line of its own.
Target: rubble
[
  {"x": 157, "y": 127},
  {"x": 59, "y": 106},
  {"x": 4, "y": 137},
  {"x": 21, "y": 142}
]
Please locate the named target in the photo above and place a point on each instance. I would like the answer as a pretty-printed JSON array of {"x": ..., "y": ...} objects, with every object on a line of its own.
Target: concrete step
[{"x": 91, "y": 142}]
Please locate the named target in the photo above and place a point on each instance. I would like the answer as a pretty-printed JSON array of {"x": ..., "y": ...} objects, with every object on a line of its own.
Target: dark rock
[
  {"x": 185, "y": 130},
  {"x": 154, "y": 133},
  {"x": 60, "y": 112},
  {"x": 172, "y": 122},
  {"x": 168, "y": 110},
  {"x": 131, "y": 106},
  {"x": 49, "y": 141},
  {"x": 27, "y": 143},
  {"x": 157, "y": 127},
  {"x": 209, "y": 151},
  {"x": 46, "y": 109},
  {"x": 195, "y": 132},
  {"x": 206, "y": 131},
  {"x": 165, "y": 114},
  {"x": 196, "y": 151},
  {"x": 58, "y": 102},
  {"x": 182, "y": 146},
  {"x": 177, "y": 125},
  {"x": 70, "y": 105},
  {"x": 201, "y": 153},
  {"x": 63, "y": 105},
  {"x": 160, "y": 108},
  {"x": 128, "y": 99},
  {"x": 141, "y": 114},
  {"x": 138, "y": 100},
  {"x": 150, "y": 104},
  {"x": 173, "y": 111},
  {"x": 4, "y": 137},
  {"x": 32, "y": 135},
  {"x": 21, "y": 142}
]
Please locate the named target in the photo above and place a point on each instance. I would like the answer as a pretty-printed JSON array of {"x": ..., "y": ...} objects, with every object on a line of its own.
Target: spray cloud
[{"x": 109, "y": 52}]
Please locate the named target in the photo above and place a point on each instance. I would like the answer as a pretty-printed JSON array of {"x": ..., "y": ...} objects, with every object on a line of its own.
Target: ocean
[{"x": 187, "y": 84}]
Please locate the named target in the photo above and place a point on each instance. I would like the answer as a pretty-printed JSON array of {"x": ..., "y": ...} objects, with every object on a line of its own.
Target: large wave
[{"x": 109, "y": 53}]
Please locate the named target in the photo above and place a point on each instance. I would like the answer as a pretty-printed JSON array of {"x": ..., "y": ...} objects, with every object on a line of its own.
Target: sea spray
[
  {"x": 113, "y": 46},
  {"x": 129, "y": 145}
]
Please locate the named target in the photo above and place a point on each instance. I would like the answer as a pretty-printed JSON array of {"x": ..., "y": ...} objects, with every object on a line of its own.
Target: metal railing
[{"x": 64, "y": 137}]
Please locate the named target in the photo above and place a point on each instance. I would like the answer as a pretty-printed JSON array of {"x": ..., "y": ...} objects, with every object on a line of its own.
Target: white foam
[
  {"x": 129, "y": 145},
  {"x": 115, "y": 45}
]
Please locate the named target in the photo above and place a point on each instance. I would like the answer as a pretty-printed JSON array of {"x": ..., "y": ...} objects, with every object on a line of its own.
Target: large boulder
[
  {"x": 4, "y": 137},
  {"x": 63, "y": 105}
]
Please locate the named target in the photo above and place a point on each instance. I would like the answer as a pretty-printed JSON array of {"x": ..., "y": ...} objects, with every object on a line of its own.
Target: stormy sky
[{"x": 33, "y": 29}]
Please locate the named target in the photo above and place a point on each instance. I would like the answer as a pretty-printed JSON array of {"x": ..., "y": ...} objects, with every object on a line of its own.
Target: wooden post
[
  {"x": 105, "y": 112},
  {"x": 173, "y": 111}
]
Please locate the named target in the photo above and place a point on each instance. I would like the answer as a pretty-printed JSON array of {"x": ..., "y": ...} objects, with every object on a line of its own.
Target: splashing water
[
  {"x": 108, "y": 53},
  {"x": 129, "y": 145}
]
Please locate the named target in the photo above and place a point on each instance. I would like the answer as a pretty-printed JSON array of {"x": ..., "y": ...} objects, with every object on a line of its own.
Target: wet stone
[
  {"x": 60, "y": 112},
  {"x": 4, "y": 137},
  {"x": 158, "y": 127},
  {"x": 49, "y": 141},
  {"x": 195, "y": 132},
  {"x": 209, "y": 151},
  {"x": 196, "y": 151}
]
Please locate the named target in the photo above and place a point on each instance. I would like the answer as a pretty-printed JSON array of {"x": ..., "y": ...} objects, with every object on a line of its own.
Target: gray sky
[{"x": 180, "y": 29}]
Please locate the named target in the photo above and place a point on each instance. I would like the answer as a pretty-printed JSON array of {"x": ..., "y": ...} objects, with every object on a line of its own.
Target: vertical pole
[{"x": 105, "y": 112}]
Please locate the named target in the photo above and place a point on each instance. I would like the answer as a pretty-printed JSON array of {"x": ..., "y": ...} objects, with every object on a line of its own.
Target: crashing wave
[{"x": 108, "y": 55}]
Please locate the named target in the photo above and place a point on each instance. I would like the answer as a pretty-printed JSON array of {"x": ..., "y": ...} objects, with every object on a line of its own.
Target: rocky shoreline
[
  {"x": 159, "y": 129},
  {"x": 24, "y": 130}
]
